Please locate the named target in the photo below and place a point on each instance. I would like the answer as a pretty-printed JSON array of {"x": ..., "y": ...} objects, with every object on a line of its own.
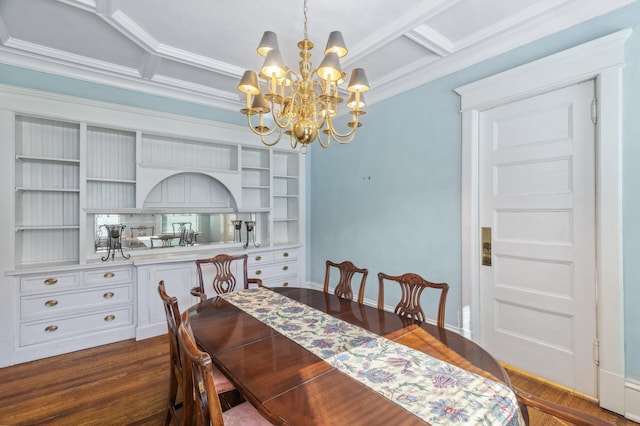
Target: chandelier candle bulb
[{"x": 302, "y": 104}]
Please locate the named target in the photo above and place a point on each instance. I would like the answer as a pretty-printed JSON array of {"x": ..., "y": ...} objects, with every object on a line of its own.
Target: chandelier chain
[{"x": 306, "y": 37}]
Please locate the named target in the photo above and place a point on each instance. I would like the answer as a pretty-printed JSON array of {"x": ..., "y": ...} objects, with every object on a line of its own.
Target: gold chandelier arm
[
  {"x": 258, "y": 132},
  {"x": 264, "y": 141},
  {"x": 342, "y": 138},
  {"x": 322, "y": 144},
  {"x": 293, "y": 142},
  {"x": 280, "y": 118}
]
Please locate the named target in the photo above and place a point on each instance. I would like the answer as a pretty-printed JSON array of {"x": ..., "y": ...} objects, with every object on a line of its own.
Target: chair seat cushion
[
  {"x": 222, "y": 383},
  {"x": 244, "y": 414}
]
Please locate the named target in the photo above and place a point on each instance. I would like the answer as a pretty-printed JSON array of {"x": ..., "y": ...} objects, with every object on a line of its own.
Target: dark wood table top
[{"x": 290, "y": 385}]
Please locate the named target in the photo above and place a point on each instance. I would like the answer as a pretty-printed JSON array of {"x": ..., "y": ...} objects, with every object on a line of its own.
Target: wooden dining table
[{"x": 291, "y": 385}]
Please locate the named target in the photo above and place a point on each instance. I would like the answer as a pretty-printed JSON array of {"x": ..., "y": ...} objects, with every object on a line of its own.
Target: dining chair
[
  {"x": 203, "y": 394},
  {"x": 561, "y": 412},
  {"x": 224, "y": 278},
  {"x": 140, "y": 231},
  {"x": 172, "y": 313},
  {"x": 347, "y": 271},
  {"x": 412, "y": 286},
  {"x": 182, "y": 230}
]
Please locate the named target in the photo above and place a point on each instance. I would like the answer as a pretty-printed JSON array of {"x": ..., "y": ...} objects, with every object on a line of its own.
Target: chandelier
[{"x": 302, "y": 104}]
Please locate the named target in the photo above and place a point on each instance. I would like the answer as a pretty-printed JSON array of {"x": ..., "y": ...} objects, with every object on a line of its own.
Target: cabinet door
[{"x": 179, "y": 279}]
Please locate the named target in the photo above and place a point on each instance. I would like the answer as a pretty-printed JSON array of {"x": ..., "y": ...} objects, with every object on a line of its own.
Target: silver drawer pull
[
  {"x": 50, "y": 281},
  {"x": 285, "y": 284},
  {"x": 108, "y": 295},
  {"x": 109, "y": 318},
  {"x": 285, "y": 267},
  {"x": 109, "y": 275},
  {"x": 50, "y": 303},
  {"x": 258, "y": 272},
  {"x": 258, "y": 257},
  {"x": 51, "y": 328},
  {"x": 285, "y": 254}
]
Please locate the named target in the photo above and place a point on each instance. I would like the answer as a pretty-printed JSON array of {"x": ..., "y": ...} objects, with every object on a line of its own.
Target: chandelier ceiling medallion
[{"x": 304, "y": 104}]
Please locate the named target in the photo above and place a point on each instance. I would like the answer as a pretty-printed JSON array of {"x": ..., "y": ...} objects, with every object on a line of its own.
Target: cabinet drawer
[
  {"x": 287, "y": 254},
  {"x": 49, "y": 282},
  {"x": 51, "y": 305},
  {"x": 260, "y": 258},
  {"x": 286, "y": 281},
  {"x": 108, "y": 276},
  {"x": 266, "y": 272},
  {"x": 50, "y": 330}
]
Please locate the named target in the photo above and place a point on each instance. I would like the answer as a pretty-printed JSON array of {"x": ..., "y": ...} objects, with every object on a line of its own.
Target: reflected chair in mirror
[
  {"x": 140, "y": 231},
  {"x": 559, "y": 412},
  {"x": 176, "y": 361},
  {"x": 343, "y": 288},
  {"x": 182, "y": 230},
  {"x": 203, "y": 394},
  {"x": 412, "y": 286},
  {"x": 226, "y": 270}
]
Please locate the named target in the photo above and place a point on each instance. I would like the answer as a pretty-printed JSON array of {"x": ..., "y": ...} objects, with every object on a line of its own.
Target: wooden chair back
[
  {"x": 203, "y": 394},
  {"x": 224, "y": 279},
  {"x": 412, "y": 286},
  {"x": 172, "y": 314},
  {"x": 347, "y": 271}
]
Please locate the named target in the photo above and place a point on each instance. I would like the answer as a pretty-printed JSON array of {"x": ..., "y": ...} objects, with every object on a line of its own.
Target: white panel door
[{"x": 537, "y": 192}]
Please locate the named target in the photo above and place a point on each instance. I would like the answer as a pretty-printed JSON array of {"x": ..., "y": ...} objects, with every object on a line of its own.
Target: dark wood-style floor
[{"x": 126, "y": 383}]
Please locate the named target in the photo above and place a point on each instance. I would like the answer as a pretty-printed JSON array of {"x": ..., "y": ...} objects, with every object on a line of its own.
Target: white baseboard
[
  {"x": 612, "y": 391},
  {"x": 632, "y": 400},
  {"x": 72, "y": 344},
  {"x": 153, "y": 330}
]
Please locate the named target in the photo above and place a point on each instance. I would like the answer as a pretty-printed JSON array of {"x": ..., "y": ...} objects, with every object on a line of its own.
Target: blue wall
[
  {"x": 67, "y": 86},
  {"x": 390, "y": 200}
]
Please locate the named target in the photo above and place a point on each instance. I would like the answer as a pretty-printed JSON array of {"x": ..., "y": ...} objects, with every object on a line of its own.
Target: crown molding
[
  {"x": 513, "y": 35},
  {"x": 432, "y": 40},
  {"x": 502, "y": 37},
  {"x": 172, "y": 88}
]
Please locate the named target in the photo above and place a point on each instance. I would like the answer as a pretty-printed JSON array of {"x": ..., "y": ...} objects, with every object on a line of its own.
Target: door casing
[{"x": 602, "y": 60}]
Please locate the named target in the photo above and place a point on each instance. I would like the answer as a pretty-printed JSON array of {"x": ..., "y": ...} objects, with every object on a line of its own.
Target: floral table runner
[{"x": 435, "y": 391}]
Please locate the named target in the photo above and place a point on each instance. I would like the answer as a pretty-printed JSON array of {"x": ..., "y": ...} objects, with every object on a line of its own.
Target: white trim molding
[
  {"x": 602, "y": 60},
  {"x": 632, "y": 401}
]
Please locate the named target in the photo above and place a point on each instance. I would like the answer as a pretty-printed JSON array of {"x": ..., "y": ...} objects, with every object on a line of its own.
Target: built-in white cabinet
[
  {"x": 63, "y": 310},
  {"x": 179, "y": 278},
  {"x": 110, "y": 168},
  {"x": 256, "y": 188},
  {"x": 276, "y": 268},
  {"x": 47, "y": 191},
  {"x": 66, "y": 171},
  {"x": 72, "y": 162},
  {"x": 286, "y": 190}
]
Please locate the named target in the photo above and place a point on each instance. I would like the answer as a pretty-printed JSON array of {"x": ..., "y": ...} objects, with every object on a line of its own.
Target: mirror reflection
[{"x": 151, "y": 231}]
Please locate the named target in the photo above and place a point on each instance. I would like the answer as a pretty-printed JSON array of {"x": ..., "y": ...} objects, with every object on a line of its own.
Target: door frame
[{"x": 602, "y": 60}]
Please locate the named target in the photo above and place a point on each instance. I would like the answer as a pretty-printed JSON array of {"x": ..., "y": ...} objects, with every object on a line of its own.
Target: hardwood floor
[
  {"x": 560, "y": 396},
  {"x": 126, "y": 383}
]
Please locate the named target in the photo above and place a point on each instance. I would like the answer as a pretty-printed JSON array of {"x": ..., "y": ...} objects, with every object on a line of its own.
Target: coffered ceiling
[{"x": 196, "y": 50}]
